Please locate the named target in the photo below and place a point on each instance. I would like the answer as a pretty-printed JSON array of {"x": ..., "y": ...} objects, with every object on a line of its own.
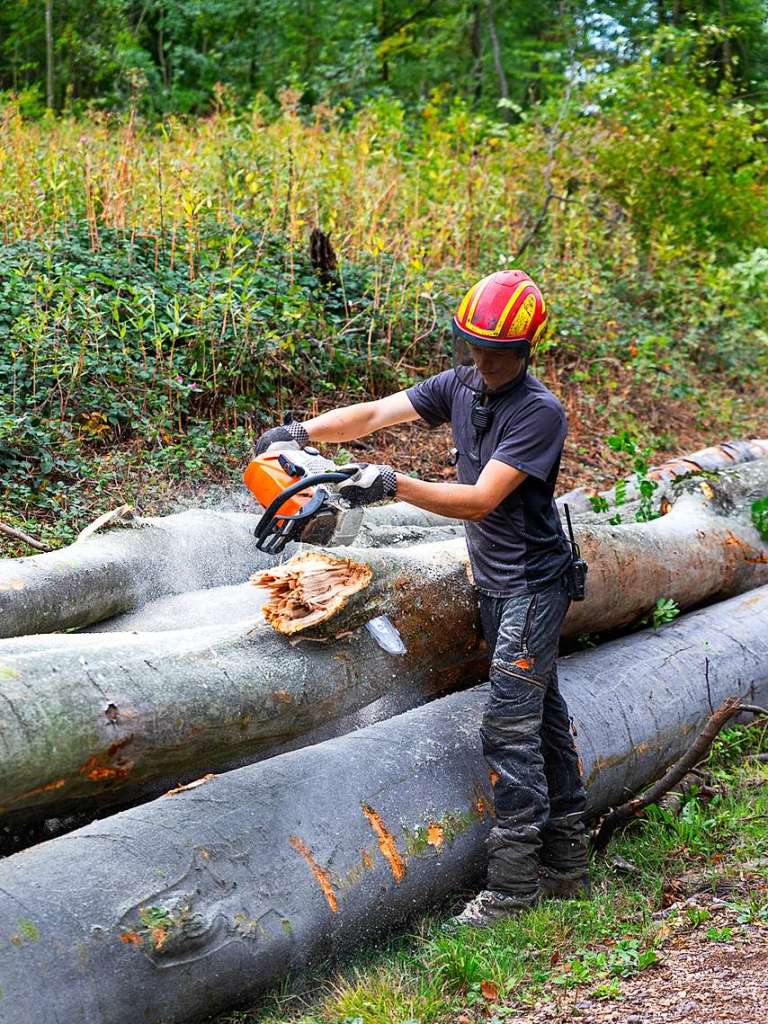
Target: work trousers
[{"x": 538, "y": 791}]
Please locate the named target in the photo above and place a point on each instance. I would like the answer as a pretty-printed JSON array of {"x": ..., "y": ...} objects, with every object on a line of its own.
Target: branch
[
  {"x": 699, "y": 749},
  {"x": 9, "y": 531}
]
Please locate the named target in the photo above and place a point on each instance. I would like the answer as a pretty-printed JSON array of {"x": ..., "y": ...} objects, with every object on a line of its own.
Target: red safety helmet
[{"x": 504, "y": 311}]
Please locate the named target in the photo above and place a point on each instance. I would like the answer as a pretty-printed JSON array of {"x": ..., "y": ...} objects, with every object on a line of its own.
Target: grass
[{"x": 433, "y": 977}]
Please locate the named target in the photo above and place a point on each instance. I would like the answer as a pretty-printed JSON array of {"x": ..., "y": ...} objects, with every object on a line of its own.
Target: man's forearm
[
  {"x": 460, "y": 501},
  {"x": 345, "y": 424},
  {"x": 353, "y": 421}
]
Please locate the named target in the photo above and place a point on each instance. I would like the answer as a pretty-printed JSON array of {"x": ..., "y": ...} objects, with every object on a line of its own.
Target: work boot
[
  {"x": 564, "y": 885},
  {"x": 489, "y": 907},
  {"x": 564, "y": 868}
]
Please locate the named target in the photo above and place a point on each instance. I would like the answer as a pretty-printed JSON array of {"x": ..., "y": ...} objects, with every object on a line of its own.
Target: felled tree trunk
[
  {"x": 99, "y": 718},
  {"x": 704, "y": 547},
  {"x": 113, "y": 572},
  {"x": 121, "y": 570},
  {"x": 710, "y": 460},
  {"x": 201, "y": 900}
]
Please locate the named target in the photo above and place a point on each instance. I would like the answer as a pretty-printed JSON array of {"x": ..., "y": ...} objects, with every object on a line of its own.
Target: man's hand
[
  {"x": 290, "y": 432},
  {"x": 369, "y": 484}
]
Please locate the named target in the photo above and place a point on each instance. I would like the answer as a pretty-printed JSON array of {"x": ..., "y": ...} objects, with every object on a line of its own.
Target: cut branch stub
[{"x": 309, "y": 589}]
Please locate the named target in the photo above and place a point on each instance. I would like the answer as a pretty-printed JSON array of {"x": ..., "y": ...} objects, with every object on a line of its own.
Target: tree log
[
  {"x": 102, "y": 717},
  {"x": 113, "y": 572},
  {"x": 709, "y": 460},
  {"x": 199, "y": 901},
  {"x": 103, "y": 576}
]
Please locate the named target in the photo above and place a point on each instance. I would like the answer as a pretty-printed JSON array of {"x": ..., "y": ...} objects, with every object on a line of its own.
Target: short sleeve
[
  {"x": 432, "y": 398},
  {"x": 534, "y": 442}
]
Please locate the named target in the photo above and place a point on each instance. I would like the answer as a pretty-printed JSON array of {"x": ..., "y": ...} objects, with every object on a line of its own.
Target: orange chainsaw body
[{"x": 265, "y": 478}]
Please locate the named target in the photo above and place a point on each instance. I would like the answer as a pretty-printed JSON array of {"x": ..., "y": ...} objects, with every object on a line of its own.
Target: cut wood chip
[{"x": 310, "y": 588}]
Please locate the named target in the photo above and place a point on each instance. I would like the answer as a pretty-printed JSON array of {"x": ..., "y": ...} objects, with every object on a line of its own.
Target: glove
[
  {"x": 290, "y": 432},
  {"x": 369, "y": 484}
]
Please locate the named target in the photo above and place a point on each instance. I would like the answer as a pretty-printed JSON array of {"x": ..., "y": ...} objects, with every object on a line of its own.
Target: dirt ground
[{"x": 715, "y": 973}]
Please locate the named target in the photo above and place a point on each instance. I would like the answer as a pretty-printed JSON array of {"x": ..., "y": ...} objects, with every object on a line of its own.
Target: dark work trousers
[{"x": 527, "y": 742}]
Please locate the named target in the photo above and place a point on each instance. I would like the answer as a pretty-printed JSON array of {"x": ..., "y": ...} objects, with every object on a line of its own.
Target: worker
[{"x": 508, "y": 431}]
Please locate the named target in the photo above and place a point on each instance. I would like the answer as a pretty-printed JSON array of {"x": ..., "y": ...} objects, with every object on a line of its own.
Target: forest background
[{"x": 163, "y": 163}]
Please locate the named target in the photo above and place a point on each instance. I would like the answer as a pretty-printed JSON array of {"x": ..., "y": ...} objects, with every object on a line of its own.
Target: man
[{"x": 508, "y": 431}]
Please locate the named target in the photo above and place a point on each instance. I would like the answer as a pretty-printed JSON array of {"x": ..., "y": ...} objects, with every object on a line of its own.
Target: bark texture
[
  {"x": 102, "y": 717},
  {"x": 199, "y": 901},
  {"x": 99, "y": 717},
  {"x": 709, "y": 460},
  {"x": 113, "y": 572}
]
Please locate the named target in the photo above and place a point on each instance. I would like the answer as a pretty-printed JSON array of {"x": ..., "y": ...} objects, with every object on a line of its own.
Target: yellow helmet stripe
[
  {"x": 508, "y": 308},
  {"x": 465, "y": 303},
  {"x": 478, "y": 292}
]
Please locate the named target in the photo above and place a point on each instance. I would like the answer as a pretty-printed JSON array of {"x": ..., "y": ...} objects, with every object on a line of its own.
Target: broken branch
[{"x": 696, "y": 752}]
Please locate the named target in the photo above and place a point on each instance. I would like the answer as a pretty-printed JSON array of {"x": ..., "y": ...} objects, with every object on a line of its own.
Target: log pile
[
  {"x": 102, "y": 718},
  {"x": 201, "y": 899}
]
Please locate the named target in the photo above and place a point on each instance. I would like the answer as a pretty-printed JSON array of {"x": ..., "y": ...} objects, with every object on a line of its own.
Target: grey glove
[
  {"x": 290, "y": 432},
  {"x": 369, "y": 484}
]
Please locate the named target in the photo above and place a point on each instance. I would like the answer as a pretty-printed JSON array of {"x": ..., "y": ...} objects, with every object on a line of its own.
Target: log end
[{"x": 309, "y": 589}]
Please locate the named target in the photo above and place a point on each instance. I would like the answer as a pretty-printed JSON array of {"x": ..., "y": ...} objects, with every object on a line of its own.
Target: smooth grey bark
[
  {"x": 124, "y": 568},
  {"x": 113, "y": 572},
  {"x": 98, "y": 717},
  {"x": 91, "y": 718},
  {"x": 199, "y": 901}
]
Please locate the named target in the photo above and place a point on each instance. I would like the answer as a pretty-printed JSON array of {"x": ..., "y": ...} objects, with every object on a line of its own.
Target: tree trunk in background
[
  {"x": 201, "y": 900},
  {"x": 476, "y": 49},
  {"x": 49, "y": 91},
  {"x": 497, "y": 60},
  {"x": 101, "y": 717}
]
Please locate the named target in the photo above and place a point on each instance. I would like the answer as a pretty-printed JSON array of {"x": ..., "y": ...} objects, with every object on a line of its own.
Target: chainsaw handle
[{"x": 270, "y": 513}]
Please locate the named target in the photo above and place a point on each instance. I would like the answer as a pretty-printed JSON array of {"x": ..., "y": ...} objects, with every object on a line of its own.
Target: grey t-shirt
[{"x": 520, "y": 546}]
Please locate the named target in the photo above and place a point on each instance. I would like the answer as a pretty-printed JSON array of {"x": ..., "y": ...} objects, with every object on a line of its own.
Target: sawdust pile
[{"x": 309, "y": 589}]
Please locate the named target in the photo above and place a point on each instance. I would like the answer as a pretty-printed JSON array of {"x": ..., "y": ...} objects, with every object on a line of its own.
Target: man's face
[{"x": 495, "y": 367}]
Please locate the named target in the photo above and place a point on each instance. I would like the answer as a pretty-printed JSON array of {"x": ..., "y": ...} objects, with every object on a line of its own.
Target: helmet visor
[{"x": 462, "y": 353}]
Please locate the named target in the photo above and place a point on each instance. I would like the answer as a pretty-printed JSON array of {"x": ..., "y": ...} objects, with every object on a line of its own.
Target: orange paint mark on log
[
  {"x": 523, "y": 663},
  {"x": 494, "y": 777},
  {"x": 321, "y": 876},
  {"x": 435, "y": 835},
  {"x": 131, "y": 939},
  {"x": 97, "y": 769},
  {"x": 120, "y": 745},
  {"x": 191, "y": 785},
  {"x": 47, "y": 788},
  {"x": 387, "y": 843}
]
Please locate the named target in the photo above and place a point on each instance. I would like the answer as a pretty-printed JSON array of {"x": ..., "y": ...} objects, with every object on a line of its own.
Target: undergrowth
[{"x": 433, "y": 977}]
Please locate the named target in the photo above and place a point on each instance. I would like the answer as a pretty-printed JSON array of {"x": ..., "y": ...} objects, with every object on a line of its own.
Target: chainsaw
[{"x": 297, "y": 487}]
